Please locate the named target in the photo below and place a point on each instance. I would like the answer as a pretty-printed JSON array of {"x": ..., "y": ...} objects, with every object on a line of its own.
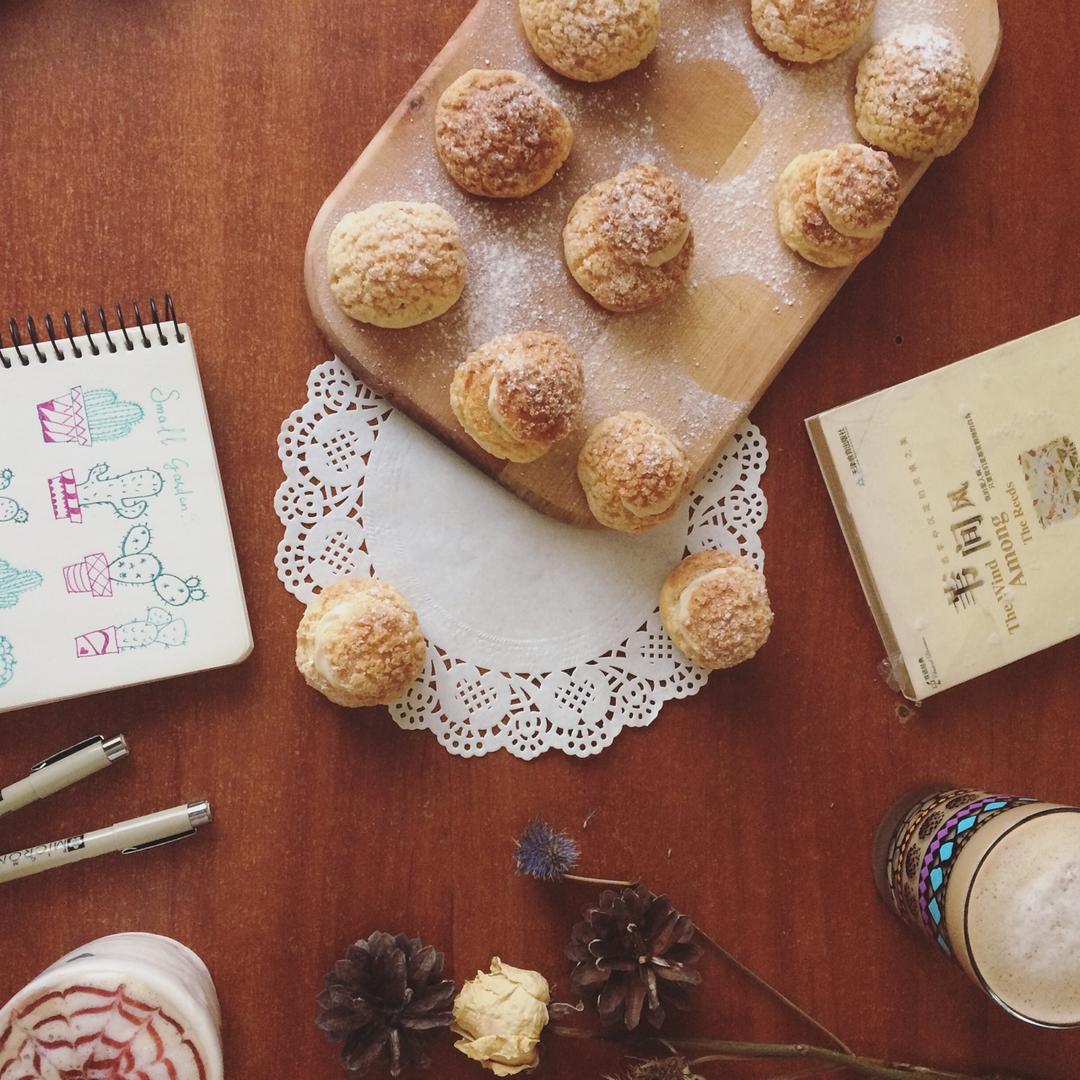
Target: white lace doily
[{"x": 541, "y": 635}]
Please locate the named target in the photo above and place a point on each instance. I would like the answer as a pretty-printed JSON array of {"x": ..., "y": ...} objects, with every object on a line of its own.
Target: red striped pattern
[{"x": 30, "y": 1044}]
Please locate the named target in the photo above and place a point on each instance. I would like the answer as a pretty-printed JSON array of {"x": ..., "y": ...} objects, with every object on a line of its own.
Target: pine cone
[
  {"x": 386, "y": 990},
  {"x": 634, "y": 952},
  {"x": 669, "y": 1068}
]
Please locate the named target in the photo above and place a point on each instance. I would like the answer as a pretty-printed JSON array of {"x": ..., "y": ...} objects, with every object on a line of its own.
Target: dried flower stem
[
  {"x": 598, "y": 881},
  {"x": 738, "y": 965},
  {"x": 723, "y": 1050},
  {"x": 755, "y": 978},
  {"x": 828, "y": 1070}
]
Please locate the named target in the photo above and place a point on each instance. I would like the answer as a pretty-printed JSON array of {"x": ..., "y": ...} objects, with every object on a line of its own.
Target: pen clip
[
  {"x": 92, "y": 741},
  {"x": 158, "y": 843},
  {"x": 198, "y": 813}
]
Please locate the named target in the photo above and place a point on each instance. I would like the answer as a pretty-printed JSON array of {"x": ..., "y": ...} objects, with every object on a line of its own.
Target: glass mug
[
  {"x": 994, "y": 882},
  {"x": 126, "y": 1005}
]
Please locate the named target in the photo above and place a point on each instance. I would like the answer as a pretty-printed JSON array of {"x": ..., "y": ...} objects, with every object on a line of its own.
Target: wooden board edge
[{"x": 315, "y": 265}]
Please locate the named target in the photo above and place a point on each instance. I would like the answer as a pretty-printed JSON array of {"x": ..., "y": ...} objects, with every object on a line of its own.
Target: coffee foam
[
  {"x": 130, "y": 1004},
  {"x": 1023, "y": 921}
]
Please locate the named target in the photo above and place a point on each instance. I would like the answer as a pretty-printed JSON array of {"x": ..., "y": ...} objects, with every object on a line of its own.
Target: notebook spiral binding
[{"x": 128, "y": 336}]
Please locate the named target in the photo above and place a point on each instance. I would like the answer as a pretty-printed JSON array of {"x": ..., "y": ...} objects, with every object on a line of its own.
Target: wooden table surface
[{"x": 187, "y": 146}]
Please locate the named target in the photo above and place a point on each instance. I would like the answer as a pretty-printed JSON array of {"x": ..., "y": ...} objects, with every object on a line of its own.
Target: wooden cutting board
[{"x": 721, "y": 115}]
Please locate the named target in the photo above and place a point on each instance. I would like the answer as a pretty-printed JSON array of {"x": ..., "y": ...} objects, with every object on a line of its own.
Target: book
[
  {"x": 959, "y": 496},
  {"x": 117, "y": 563}
]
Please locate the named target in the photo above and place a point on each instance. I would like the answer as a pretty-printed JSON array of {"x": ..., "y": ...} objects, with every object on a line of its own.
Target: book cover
[{"x": 959, "y": 496}]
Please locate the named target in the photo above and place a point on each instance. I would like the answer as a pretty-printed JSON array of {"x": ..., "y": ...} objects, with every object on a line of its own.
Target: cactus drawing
[
  {"x": 138, "y": 565},
  {"x": 10, "y": 510},
  {"x": 108, "y": 417},
  {"x": 157, "y": 628},
  {"x": 13, "y": 583},
  {"x": 7, "y": 661},
  {"x": 135, "y": 565},
  {"x": 126, "y": 493},
  {"x": 86, "y": 417}
]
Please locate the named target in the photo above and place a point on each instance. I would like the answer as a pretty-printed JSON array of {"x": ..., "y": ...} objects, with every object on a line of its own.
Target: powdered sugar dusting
[
  {"x": 735, "y": 217},
  {"x": 517, "y": 276},
  {"x": 729, "y": 38},
  {"x": 502, "y": 286},
  {"x": 819, "y": 95}
]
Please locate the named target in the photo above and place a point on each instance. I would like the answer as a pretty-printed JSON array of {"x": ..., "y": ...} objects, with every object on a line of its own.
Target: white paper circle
[
  {"x": 538, "y": 594},
  {"x": 468, "y": 554}
]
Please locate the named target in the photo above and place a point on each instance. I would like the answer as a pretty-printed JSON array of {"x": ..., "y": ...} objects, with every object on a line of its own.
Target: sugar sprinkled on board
[
  {"x": 730, "y": 39},
  {"x": 517, "y": 278},
  {"x": 735, "y": 216}
]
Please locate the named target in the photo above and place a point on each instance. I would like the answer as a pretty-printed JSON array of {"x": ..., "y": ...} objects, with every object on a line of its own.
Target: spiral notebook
[{"x": 117, "y": 563}]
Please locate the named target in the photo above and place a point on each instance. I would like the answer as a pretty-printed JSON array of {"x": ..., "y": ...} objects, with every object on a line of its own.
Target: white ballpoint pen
[
  {"x": 126, "y": 837},
  {"x": 62, "y": 770}
]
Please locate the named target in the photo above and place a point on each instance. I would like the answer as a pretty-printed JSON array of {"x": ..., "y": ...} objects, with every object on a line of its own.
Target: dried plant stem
[
  {"x": 598, "y": 881},
  {"x": 757, "y": 980},
  {"x": 738, "y": 965},
  {"x": 723, "y": 1050},
  {"x": 803, "y": 1074}
]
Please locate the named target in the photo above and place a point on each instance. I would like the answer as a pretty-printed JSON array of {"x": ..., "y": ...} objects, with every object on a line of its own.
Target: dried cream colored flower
[{"x": 500, "y": 1016}]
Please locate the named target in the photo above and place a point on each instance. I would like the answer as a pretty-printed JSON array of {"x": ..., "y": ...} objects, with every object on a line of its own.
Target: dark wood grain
[{"x": 188, "y": 145}]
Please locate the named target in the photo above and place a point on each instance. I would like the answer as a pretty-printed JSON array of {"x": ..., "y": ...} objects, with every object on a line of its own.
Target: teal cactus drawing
[
  {"x": 7, "y": 661},
  {"x": 13, "y": 583},
  {"x": 87, "y": 417},
  {"x": 10, "y": 510},
  {"x": 158, "y": 628},
  {"x": 126, "y": 493},
  {"x": 108, "y": 417},
  {"x": 138, "y": 565}
]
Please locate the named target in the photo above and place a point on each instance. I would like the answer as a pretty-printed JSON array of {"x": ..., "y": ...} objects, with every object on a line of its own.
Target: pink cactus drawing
[
  {"x": 91, "y": 575},
  {"x": 63, "y": 419},
  {"x": 97, "y": 643},
  {"x": 64, "y": 493}
]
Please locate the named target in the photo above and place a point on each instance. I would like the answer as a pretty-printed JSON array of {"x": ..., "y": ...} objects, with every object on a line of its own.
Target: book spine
[{"x": 128, "y": 333}]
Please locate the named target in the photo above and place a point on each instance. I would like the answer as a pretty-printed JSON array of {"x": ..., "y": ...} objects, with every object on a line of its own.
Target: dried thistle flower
[{"x": 545, "y": 853}]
